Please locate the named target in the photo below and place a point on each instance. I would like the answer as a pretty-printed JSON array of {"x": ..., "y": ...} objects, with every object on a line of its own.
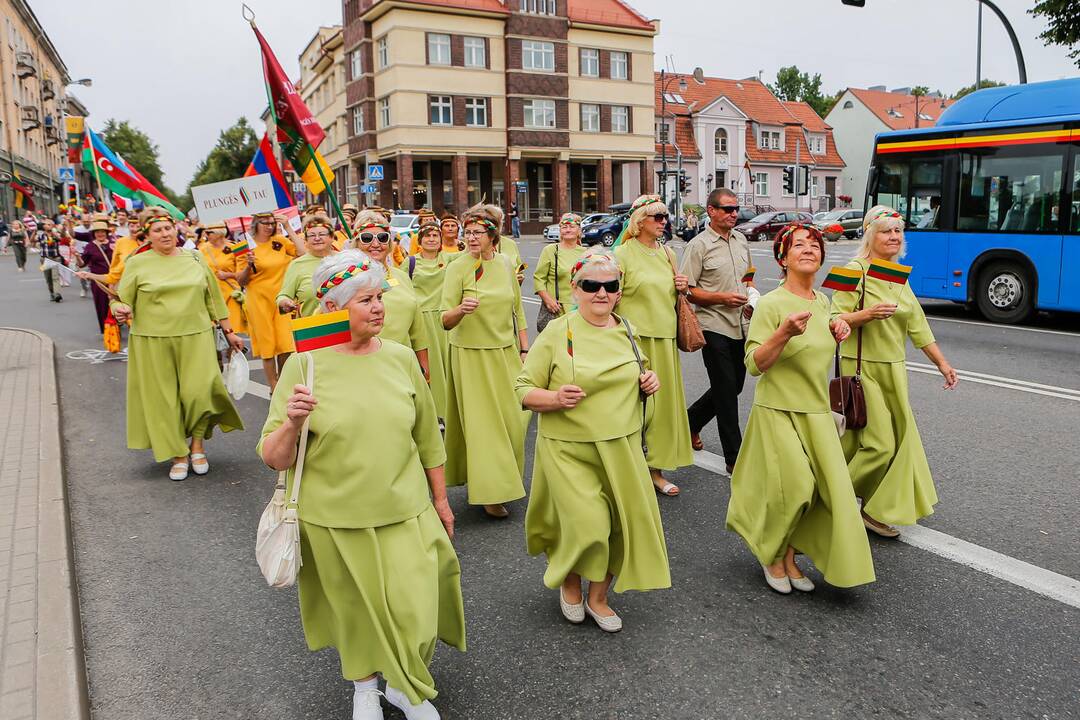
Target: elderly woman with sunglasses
[
  {"x": 404, "y": 322},
  {"x": 886, "y": 458},
  {"x": 380, "y": 581},
  {"x": 296, "y": 293},
  {"x": 790, "y": 491},
  {"x": 551, "y": 279},
  {"x": 427, "y": 269},
  {"x": 592, "y": 509},
  {"x": 174, "y": 389},
  {"x": 485, "y": 425},
  {"x": 649, "y": 289}
]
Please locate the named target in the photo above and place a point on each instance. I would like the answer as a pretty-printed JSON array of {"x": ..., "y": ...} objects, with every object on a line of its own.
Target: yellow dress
[
  {"x": 270, "y": 331},
  {"x": 124, "y": 247},
  {"x": 221, "y": 261}
]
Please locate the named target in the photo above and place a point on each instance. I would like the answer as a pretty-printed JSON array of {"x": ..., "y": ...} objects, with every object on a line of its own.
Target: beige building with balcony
[{"x": 322, "y": 88}]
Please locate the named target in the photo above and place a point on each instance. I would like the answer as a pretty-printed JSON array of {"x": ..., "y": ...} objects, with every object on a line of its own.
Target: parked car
[
  {"x": 688, "y": 232},
  {"x": 551, "y": 232},
  {"x": 764, "y": 226},
  {"x": 849, "y": 219},
  {"x": 405, "y": 223},
  {"x": 605, "y": 231},
  {"x": 819, "y": 215}
]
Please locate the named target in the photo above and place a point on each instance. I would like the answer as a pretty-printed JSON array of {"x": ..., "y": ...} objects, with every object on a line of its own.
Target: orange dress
[
  {"x": 221, "y": 261},
  {"x": 271, "y": 333}
]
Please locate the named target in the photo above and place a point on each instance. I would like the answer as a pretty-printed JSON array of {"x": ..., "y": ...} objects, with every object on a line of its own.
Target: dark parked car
[
  {"x": 764, "y": 226},
  {"x": 688, "y": 232},
  {"x": 605, "y": 231}
]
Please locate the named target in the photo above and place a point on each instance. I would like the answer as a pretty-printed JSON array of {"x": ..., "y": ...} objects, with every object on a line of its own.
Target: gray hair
[
  {"x": 368, "y": 274},
  {"x": 600, "y": 260}
]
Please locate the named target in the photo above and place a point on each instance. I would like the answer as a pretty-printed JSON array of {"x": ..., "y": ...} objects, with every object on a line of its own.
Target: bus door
[{"x": 1069, "y": 294}]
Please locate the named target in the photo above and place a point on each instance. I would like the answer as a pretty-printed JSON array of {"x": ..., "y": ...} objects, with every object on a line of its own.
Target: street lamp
[
  {"x": 699, "y": 78},
  {"x": 85, "y": 82}
]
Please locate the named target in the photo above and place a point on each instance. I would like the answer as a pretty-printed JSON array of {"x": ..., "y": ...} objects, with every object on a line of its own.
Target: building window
[
  {"x": 848, "y": 104},
  {"x": 590, "y": 118},
  {"x": 590, "y": 62},
  {"x": 358, "y": 121},
  {"x": 769, "y": 140},
  {"x": 538, "y": 7},
  {"x": 537, "y": 55},
  {"x": 356, "y": 64},
  {"x": 476, "y": 112},
  {"x": 720, "y": 141},
  {"x": 438, "y": 49},
  {"x": 619, "y": 66},
  {"x": 384, "y": 112},
  {"x": 384, "y": 52},
  {"x": 539, "y": 113},
  {"x": 663, "y": 133},
  {"x": 761, "y": 184},
  {"x": 620, "y": 119},
  {"x": 441, "y": 110},
  {"x": 475, "y": 52},
  {"x": 817, "y": 144},
  {"x": 814, "y": 186}
]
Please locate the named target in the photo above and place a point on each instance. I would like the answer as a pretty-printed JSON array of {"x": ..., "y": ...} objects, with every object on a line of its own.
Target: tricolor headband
[
  {"x": 879, "y": 214},
  {"x": 643, "y": 201},
  {"x": 783, "y": 242},
  {"x": 155, "y": 219},
  {"x": 339, "y": 277},
  {"x": 595, "y": 259},
  {"x": 368, "y": 226},
  {"x": 483, "y": 221},
  {"x": 570, "y": 219}
]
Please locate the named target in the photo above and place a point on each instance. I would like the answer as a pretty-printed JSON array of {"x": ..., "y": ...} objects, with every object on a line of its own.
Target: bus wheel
[{"x": 1006, "y": 293}]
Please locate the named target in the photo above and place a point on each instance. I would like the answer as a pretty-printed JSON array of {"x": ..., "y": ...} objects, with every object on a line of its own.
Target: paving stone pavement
[{"x": 41, "y": 664}]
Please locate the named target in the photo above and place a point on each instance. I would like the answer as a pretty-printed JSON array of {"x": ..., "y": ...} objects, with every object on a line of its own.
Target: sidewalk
[{"x": 41, "y": 662}]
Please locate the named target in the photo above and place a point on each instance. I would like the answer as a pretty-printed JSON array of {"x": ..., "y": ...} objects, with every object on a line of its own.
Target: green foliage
[
  {"x": 920, "y": 91},
  {"x": 968, "y": 89},
  {"x": 136, "y": 147},
  {"x": 1063, "y": 24},
  {"x": 228, "y": 159},
  {"x": 793, "y": 85}
]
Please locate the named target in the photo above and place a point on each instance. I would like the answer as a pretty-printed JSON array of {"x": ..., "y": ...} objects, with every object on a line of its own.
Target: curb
[{"x": 61, "y": 670}]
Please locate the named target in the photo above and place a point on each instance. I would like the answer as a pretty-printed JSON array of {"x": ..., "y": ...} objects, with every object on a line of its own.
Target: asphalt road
[{"x": 178, "y": 622}]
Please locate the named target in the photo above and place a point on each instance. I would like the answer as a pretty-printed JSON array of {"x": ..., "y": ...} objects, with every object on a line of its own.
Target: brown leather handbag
[
  {"x": 688, "y": 334},
  {"x": 846, "y": 391}
]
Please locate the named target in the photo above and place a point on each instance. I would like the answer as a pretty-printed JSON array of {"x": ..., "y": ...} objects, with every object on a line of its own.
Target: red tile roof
[
  {"x": 607, "y": 12},
  {"x": 485, "y": 5},
  {"x": 806, "y": 115},
  {"x": 880, "y": 102}
]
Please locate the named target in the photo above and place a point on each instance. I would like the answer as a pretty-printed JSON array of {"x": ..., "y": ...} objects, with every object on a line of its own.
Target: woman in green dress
[
  {"x": 485, "y": 425},
  {"x": 649, "y": 288},
  {"x": 296, "y": 293},
  {"x": 592, "y": 509},
  {"x": 790, "y": 490},
  {"x": 380, "y": 581},
  {"x": 427, "y": 269},
  {"x": 174, "y": 389},
  {"x": 551, "y": 279},
  {"x": 886, "y": 458}
]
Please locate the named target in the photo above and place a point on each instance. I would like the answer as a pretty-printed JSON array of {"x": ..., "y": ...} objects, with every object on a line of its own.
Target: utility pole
[
  {"x": 978, "y": 52},
  {"x": 798, "y": 178}
]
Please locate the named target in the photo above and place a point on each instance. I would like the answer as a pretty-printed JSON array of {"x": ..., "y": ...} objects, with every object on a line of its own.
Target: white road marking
[
  {"x": 530, "y": 301},
  {"x": 999, "y": 326},
  {"x": 1002, "y": 382}
]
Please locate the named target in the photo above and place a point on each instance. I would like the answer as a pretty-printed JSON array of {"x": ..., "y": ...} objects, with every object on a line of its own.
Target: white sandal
[
  {"x": 668, "y": 490},
  {"x": 199, "y": 468},
  {"x": 178, "y": 471}
]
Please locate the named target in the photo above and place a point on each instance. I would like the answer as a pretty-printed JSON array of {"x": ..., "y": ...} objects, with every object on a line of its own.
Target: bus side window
[
  {"x": 1013, "y": 189},
  {"x": 1076, "y": 194},
  {"x": 892, "y": 188}
]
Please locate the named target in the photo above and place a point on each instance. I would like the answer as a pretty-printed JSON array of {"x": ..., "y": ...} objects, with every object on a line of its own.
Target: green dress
[
  {"x": 886, "y": 459},
  {"x": 544, "y": 277},
  {"x": 790, "y": 485},
  {"x": 648, "y": 301},
  {"x": 174, "y": 387},
  {"x": 380, "y": 581},
  {"x": 592, "y": 507},
  {"x": 296, "y": 285},
  {"x": 485, "y": 425},
  {"x": 509, "y": 247},
  {"x": 402, "y": 320},
  {"x": 427, "y": 280}
]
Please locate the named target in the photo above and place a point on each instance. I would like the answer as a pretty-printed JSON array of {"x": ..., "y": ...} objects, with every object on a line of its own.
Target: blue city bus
[{"x": 991, "y": 198}]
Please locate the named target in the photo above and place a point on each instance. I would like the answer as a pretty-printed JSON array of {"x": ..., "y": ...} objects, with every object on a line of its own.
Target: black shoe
[{"x": 58, "y": 299}]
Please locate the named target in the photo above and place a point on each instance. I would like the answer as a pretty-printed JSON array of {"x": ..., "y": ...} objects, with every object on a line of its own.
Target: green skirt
[
  {"x": 175, "y": 392},
  {"x": 382, "y": 597},
  {"x": 791, "y": 487},
  {"x": 438, "y": 357},
  {"x": 485, "y": 425},
  {"x": 886, "y": 459},
  {"x": 668, "y": 433},
  {"x": 592, "y": 511}
]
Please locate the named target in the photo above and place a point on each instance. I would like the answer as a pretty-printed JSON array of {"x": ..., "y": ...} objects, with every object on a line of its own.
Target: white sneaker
[
  {"x": 423, "y": 711},
  {"x": 366, "y": 705}
]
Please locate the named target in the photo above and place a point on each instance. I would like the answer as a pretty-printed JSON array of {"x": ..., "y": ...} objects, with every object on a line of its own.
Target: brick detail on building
[
  {"x": 539, "y": 138},
  {"x": 605, "y": 118},
  {"x": 544, "y": 26},
  {"x": 525, "y": 83},
  {"x": 605, "y": 63},
  {"x": 604, "y": 183},
  {"x": 459, "y": 169},
  {"x": 513, "y": 174},
  {"x": 457, "y": 50},
  {"x": 404, "y": 180},
  {"x": 561, "y": 187},
  {"x": 647, "y": 177}
]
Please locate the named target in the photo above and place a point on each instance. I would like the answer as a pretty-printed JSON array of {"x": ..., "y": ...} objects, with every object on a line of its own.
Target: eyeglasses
[
  {"x": 317, "y": 235},
  {"x": 593, "y": 286},
  {"x": 660, "y": 217},
  {"x": 475, "y": 233},
  {"x": 368, "y": 238},
  {"x": 729, "y": 209}
]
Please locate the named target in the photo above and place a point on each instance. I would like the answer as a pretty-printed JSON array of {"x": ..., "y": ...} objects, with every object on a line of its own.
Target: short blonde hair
[
  {"x": 878, "y": 218},
  {"x": 595, "y": 260},
  {"x": 643, "y": 207}
]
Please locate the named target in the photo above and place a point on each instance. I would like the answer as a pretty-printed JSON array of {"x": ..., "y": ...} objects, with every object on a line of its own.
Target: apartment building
[
  {"x": 546, "y": 102},
  {"x": 322, "y": 88}
]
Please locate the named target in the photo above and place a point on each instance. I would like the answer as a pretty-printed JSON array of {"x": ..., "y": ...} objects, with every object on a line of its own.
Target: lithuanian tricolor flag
[
  {"x": 842, "y": 278},
  {"x": 749, "y": 274},
  {"x": 319, "y": 331},
  {"x": 478, "y": 271},
  {"x": 889, "y": 271},
  {"x": 240, "y": 248}
]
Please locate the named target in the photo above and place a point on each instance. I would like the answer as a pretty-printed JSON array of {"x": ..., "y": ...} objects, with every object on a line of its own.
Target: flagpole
[{"x": 97, "y": 168}]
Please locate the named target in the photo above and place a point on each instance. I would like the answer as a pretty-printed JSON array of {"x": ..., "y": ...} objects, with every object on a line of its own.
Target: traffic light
[
  {"x": 789, "y": 180},
  {"x": 684, "y": 183},
  {"x": 804, "y": 180}
]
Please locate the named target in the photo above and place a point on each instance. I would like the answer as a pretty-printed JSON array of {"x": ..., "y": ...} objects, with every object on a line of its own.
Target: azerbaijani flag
[
  {"x": 842, "y": 278},
  {"x": 749, "y": 274},
  {"x": 119, "y": 177},
  {"x": 889, "y": 271},
  {"x": 264, "y": 163},
  {"x": 320, "y": 331}
]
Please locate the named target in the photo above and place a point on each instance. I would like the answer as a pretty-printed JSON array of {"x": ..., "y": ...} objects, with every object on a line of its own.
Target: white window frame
[
  {"x": 438, "y": 49},
  {"x": 538, "y": 7},
  {"x": 815, "y": 183},
  {"x": 623, "y": 63},
  {"x": 543, "y": 108},
  {"x": 590, "y": 117},
  {"x": 443, "y": 105},
  {"x": 383, "y": 47},
  {"x": 663, "y": 132},
  {"x": 720, "y": 141},
  {"x": 537, "y": 55},
  {"x": 761, "y": 184},
  {"x": 769, "y": 140},
  {"x": 358, "y": 120},
  {"x": 384, "y": 111},
  {"x": 623, "y": 111},
  {"x": 356, "y": 64},
  {"x": 475, "y": 52},
  {"x": 590, "y": 62},
  {"x": 477, "y": 107}
]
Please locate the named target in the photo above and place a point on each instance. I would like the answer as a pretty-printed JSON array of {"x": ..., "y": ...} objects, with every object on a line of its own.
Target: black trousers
[{"x": 723, "y": 357}]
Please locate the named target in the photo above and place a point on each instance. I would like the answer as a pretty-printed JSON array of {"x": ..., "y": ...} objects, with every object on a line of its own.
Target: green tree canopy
[
  {"x": 968, "y": 89},
  {"x": 1063, "y": 24},
  {"x": 793, "y": 85},
  {"x": 136, "y": 147},
  {"x": 228, "y": 159}
]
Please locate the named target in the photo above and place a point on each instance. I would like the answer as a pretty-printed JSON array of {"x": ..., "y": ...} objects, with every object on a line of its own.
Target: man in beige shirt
[{"x": 716, "y": 260}]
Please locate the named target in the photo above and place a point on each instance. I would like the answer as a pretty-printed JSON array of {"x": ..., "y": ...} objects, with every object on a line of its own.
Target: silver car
[{"x": 551, "y": 232}]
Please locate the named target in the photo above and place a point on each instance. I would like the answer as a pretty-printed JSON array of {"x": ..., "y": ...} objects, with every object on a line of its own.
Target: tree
[
  {"x": 228, "y": 159},
  {"x": 136, "y": 147},
  {"x": 1063, "y": 18},
  {"x": 968, "y": 89},
  {"x": 792, "y": 85},
  {"x": 920, "y": 91}
]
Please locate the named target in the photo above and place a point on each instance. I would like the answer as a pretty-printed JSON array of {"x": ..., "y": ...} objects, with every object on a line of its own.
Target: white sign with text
[{"x": 221, "y": 201}]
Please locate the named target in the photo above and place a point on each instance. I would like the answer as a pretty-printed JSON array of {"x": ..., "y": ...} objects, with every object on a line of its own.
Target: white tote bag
[
  {"x": 237, "y": 375},
  {"x": 277, "y": 543}
]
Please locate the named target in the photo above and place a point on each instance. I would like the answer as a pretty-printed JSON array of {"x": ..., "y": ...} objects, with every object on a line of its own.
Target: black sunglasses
[
  {"x": 727, "y": 208},
  {"x": 593, "y": 286},
  {"x": 660, "y": 217},
  {"x": 367, "y": 238}
]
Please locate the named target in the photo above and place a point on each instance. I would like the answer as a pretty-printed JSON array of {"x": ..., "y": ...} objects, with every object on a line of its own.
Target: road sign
[
  {"x": 375, "y": 172},
  {"x": 522, "y": 186},
  {"x": 66, "y": 174},
  {"x": 369, "y": 189}
]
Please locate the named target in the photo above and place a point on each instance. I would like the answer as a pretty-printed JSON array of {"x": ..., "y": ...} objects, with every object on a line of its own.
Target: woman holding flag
[
  {"x": 96, "y": 258},
  {"x": 485, "y": 425},
  {"x": 296, "y": 293},
  {"x": 174, "y": 388},
  {"x": 225, "y": 266},
  {"x": 790, "y": 491},
  {"x": 427, "y": 271},
  {"x": 886, "y": 458}
]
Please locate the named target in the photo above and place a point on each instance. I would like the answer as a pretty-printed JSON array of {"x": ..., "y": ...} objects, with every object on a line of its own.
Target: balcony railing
[
  {"x": 25, "y": 65},
  {"x": 30, "y": 117}
]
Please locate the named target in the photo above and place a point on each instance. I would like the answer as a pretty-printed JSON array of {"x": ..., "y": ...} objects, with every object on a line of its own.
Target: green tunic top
[
  {"x": 427, "y": 280},
  {"x": 370, "y": 438},
  {"x": 603, "y": 365},
  {"x": 799, "y": 380},
  {"x": 509, "y": 248},
  {"x": 883, "y": 340},
  {"x": 648, "y": 289},
  {"x": 544, "y": 278},
  {"x": 296, "y": 285},
  {"x": 403, "y": 322},
  {"x": 171, "y": 295},
  {"x": 492, "y": 325}
]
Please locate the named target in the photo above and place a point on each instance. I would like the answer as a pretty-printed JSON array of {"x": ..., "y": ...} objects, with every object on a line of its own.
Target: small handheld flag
[
  {"x": 749, "y": 274},
  {"x": 238, "y": 249},
  {"x": 569, "y": 340},
  {"x": 842, "y": 278},
  {"x": 478, "y": 271},
  {"x": 320, "y": 331},
  {"x": 889, "y": 271}
]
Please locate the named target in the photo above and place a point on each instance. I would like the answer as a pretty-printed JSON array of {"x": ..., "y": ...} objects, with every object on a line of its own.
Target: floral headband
[
  {"x": 570, "y": 219},
  {"x": 339, "y": 277},
  {"x": 595, "y": 259},
  {"x": 643, "y": 201},
  {"x": 320, "y": 223},
  {"x": 370, "y": 225},
  {"x": 483, "y": 221},
  {"x": 879, "y": 214},
  {"x": 784, "y": 238},
  {"x": 429, "y": 225}
]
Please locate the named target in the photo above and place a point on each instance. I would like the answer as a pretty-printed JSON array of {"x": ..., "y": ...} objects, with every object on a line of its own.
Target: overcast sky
[{"x": 183, "y": 71}]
